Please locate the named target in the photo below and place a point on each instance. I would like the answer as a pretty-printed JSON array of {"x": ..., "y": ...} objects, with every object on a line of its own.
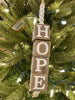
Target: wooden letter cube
[
  {"x": 41, "y": 32},
  {"x": 40, "y": 65},
  {"x": 41, "y": 48},
  {"x": 38, "y": 82}
]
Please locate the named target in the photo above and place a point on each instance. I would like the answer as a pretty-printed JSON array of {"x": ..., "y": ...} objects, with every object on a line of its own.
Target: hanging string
[{"x": 41, "y": 12}]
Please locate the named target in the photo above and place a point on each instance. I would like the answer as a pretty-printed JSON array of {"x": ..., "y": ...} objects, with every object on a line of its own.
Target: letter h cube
[{"x": 41, "y": 32}]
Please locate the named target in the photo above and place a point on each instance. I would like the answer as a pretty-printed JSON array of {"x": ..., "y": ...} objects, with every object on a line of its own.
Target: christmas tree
[{"x": 16, "y": 48}]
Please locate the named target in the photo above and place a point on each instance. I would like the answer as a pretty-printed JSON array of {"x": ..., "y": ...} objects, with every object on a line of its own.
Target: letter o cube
[{"x": 41, "y": 48}]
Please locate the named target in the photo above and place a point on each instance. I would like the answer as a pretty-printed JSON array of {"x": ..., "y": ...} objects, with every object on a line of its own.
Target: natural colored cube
[
  {"x": 41, "y": 32},
  {"x": 41, "y": 48},
  {"x": 38, "y": 82},
  {"x": 40, "y": 65}
]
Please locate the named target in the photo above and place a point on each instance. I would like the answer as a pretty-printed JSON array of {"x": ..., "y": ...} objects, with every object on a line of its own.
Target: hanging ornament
[
  {"x": 18, "y": 26},
  {"x": 41, "y": 54}
]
